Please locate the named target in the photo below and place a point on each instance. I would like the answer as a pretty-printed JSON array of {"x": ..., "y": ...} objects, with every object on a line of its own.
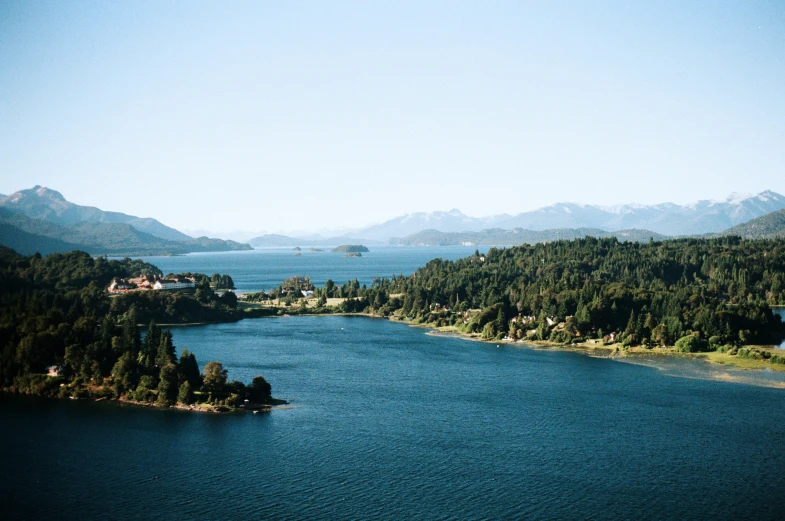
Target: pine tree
[
  {"x": 188, "y": 369},
  {"x": 165, "y": 353},
  {"x": 167, "y": 385},
  {"x": 186, "y": 393}
]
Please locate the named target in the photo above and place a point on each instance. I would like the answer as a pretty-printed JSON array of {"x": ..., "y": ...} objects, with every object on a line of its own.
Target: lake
[
  {"x": 265, "y": 269},
  {"x": 393, "y": 422},
  {"x": 390, "y": 422}
]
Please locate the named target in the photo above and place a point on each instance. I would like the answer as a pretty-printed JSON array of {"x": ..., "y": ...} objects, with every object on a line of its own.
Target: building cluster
[{"x": 150, "y": 282}]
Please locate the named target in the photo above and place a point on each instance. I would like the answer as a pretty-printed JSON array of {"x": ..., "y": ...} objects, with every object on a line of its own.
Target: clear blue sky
[{"x": 304, "y": 115}]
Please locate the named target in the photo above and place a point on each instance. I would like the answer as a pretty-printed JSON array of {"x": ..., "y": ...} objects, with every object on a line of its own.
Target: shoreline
[
  {"x": 596, "y": 350},
  {"x": 195, "y": 407},
  {"x": 617, "y": 352}
]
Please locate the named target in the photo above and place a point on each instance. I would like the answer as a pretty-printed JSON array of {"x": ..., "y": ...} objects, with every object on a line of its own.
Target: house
[
  {"x": 307, "y": 293},
  {"x": 53, "y": 370},
  {"x": 143, "y": 282},
  {"x": 121, "y": 285},
  {"x": 176, "y": 283}
]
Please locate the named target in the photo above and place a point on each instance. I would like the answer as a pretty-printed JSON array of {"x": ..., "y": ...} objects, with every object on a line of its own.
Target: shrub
[{"x": 691, "y": 344}]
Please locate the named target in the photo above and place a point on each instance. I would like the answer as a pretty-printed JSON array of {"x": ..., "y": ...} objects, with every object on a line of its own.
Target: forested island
[
  {"x": 350, "y": 248},
  {"x": 63, "y": 335},
  {"x": 689, "y": 295}
]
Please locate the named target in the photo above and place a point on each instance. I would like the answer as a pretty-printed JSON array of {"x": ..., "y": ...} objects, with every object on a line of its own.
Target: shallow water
[{"x": 392, "y": 423}]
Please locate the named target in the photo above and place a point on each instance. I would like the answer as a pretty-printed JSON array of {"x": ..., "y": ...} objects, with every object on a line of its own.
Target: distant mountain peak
[
  {"x": 739, "y": 197},
  {"x": 39, "y": 192},
  {"x": 40, "y": 202}
]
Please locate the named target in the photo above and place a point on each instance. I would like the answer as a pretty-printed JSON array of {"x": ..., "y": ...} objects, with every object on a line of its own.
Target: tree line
[
  {"x": 55, "y": 314},
  {"x": 695, "y": 294}
]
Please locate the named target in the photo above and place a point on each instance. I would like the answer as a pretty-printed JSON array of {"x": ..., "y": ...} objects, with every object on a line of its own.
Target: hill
[
  {"x": 769, "y": 226},
  {"x": 350, "y": 248},
  {"x": 29, "y": 243},
  {"x": 27, "y": 235}
]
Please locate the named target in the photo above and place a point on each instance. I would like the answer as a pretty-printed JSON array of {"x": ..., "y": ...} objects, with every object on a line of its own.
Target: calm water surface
[
  {"x": 392, "y": 423},
  {"x": 267, "y": 268},
  {"x": 388, "y": 422}
]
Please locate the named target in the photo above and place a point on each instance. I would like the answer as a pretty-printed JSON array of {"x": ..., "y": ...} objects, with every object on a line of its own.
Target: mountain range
[
  {"x": 42, "y": 220},
  {"x": 669, "y": 219},
  {"x": 499, "y": 237},
  {"x": 561, "y": 220}
]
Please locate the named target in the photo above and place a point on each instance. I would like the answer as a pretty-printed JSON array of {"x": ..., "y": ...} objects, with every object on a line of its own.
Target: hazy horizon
[
  {"x": 243, "y": 235},
  {"x": 304, "y": 116}
]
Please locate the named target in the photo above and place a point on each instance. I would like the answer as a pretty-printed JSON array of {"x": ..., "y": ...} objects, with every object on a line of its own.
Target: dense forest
[
  {"x": 696, "y": 294},
  {"x": 61, "y": 334}
]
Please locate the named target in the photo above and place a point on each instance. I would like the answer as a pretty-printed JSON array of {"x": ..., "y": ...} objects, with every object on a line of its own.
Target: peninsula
[
  {"x": 69, "y": 329},
  {"x": 709, "y": 297}
]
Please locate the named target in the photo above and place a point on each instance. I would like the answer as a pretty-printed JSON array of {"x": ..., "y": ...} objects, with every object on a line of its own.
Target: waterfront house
[{"x": 176, "y": 283}]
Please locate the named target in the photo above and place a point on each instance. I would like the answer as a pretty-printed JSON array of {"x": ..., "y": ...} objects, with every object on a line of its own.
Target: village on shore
[{"x": 150, "y": 282}]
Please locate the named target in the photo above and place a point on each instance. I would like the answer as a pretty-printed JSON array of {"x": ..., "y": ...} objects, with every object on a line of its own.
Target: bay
[{"x": 390, "y": 422}]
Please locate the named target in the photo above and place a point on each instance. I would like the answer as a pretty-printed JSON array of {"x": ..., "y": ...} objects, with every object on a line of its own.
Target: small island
[
  {"x": 354, "y": 254},
  {"x": 350, "y": 248}
]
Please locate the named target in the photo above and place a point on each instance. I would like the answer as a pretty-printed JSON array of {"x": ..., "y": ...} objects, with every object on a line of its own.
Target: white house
[{"x": 173, "y": 284}]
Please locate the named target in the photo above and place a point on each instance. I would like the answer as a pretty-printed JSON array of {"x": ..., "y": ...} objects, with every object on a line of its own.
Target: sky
[{"x": 280, "y": 116}]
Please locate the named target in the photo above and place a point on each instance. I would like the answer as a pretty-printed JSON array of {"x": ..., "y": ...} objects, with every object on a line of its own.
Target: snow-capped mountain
[
  {"x": 452, "y": 221},
  {"x": 698, "y": 218}
]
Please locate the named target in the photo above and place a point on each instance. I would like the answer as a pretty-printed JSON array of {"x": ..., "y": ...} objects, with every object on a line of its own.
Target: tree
[
  {"x": 165, "y": 353},
  {"x": 188, "y": 369},
  {"x": 124, "y": 372},
  {"x": 131, "y": 332},
  {"x": 149, "y": 349},
  {"x": 186, "y": 393},
  {"x": 215, "y": 376},
  {"x": 229, "y": 299},
  {"x": 260, "y": 390},
  {"x": 167, "y": 386}
]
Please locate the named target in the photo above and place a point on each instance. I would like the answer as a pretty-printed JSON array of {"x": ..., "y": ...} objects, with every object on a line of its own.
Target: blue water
[
  {"x": 267, "y": 268},
  {"x": 389, "y": 422}
]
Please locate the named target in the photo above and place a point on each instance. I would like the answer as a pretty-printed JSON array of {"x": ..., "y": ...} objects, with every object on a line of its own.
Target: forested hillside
[
  {"x": 55, "y": 314},
  {"x": 716, "y": 292},
  {"x": 769, "y": 226}
]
